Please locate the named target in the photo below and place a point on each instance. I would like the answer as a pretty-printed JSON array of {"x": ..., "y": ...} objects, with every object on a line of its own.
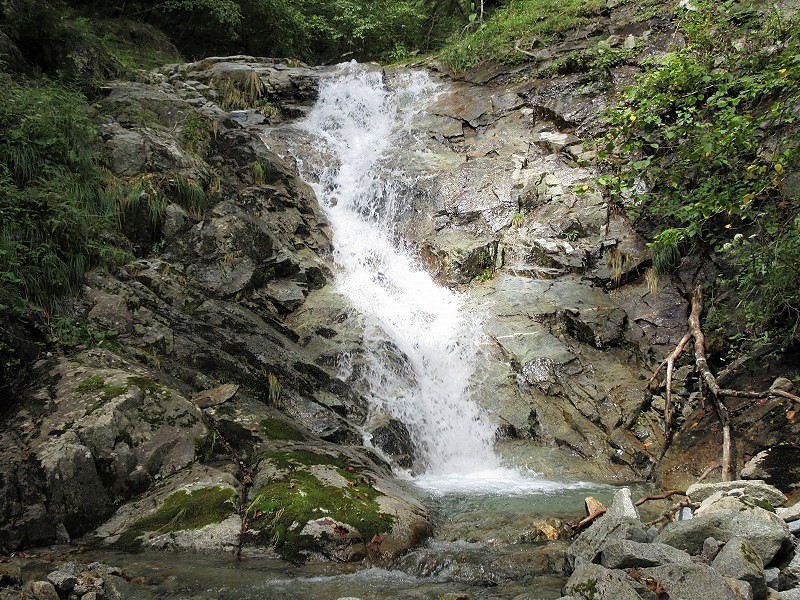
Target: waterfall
[
  {"x": 357, "y": 120},
  {"x": 350, "y": 132}
]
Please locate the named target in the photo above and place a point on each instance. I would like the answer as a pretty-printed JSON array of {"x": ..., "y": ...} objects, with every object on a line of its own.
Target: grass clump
[
  {"x": 519, "y": 22},
  {"x": 91, "y": 384},
  {"x": 54, "y": 201},
  {"x": 182, "y": 511}
]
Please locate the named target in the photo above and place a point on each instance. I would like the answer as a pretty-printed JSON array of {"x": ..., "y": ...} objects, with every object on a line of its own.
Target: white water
[{"x": 356, "y": 121}]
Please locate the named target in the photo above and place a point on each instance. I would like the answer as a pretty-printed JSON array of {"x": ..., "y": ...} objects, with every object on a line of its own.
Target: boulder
[
  {"x": 765, "y": 531},
  {"x": 617, "y": 524},
  {"x": 739, "y": 560},
  {"x": 624, "y": 554},
  {"x": 754, "y": 492},
  {"x": 687, "y": 580},
  {"x": 778, "y": 466},
  {"x": 594, "y": 582}
]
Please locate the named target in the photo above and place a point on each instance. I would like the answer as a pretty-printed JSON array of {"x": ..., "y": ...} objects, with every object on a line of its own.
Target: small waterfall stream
[{"x": 356, "y": 120}]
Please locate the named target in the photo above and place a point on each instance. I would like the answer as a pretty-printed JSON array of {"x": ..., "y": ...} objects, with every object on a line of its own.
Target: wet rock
[
  {"x": 333, "y": 506},
  {"x": 117, "y": 588},
  {"x": 393, "y": 438}
]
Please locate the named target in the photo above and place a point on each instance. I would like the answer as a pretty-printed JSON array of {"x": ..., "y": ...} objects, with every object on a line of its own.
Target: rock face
[
  {"x": 205, "y": 420},
  {"x": 229, "y": 408},
  {"x": 719, "y": 555}
]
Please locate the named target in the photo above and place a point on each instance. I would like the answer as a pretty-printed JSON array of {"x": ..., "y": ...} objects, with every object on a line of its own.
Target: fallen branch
[
  {"x": 523, "y": 51},
  {"x": 709, "y": 469},
  {"x": 663, "y": 496},
  {"x": 589, "y": 520},
  {"x": 675, "y": 508},
  {"x": 716, "y": 392}
]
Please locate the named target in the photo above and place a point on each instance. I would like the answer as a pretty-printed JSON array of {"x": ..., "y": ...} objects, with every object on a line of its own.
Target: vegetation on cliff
[{"x": 703, "y": 151}]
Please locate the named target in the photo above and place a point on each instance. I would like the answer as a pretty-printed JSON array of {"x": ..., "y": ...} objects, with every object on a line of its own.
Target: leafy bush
[{"x": 700, "y": 146}]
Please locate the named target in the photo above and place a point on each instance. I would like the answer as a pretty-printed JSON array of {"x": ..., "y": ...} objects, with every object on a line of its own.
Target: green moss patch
[
  {"x": 182, "y": 511},
  {"x": 292, "y": 460},
  {"x": 277, "y": 429},
  {"x": 282, "y": 509},
  {"x": 146, "y": 385},
  {"x": 112, "y": 391},
  {"x": 90, "y": 384}
]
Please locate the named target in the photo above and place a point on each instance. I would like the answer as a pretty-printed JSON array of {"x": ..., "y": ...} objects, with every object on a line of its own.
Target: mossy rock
[
  {"x": 181, "y": 511},
  {"x": 307, "y": 492}
]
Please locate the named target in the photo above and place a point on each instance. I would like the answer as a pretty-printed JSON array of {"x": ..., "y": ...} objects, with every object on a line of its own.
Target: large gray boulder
[
  {"x": 765, "y": 531},
  {"x": 690, "y": 582},
  {"x": 752, "y": 491},
  {"x": 739, "y": 560},
  {"x": 624, "y": 554},
  {"x": 620, "y": 523}
]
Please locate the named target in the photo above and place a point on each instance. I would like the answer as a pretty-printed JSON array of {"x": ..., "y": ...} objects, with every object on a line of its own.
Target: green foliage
[
  {"x": 90, "y": 384},
  {"x": 54, "y": 201},
  {"x": 521, "y": 21},
  {"x": 699, "y": 148},
  {"x": 196, "y": 133},
  {"x": 69, "y": 333},
  {"x": 182, "y": 511},
  {"x": 259, "y": 170},
  {"x": 273, "y": 389}
]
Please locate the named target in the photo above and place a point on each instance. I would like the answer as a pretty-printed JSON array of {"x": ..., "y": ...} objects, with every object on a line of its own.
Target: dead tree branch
[{"x": 663, "y": 496}]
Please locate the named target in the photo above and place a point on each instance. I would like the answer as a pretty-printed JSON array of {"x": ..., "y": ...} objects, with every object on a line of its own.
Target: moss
[
  {"x": 588, "y": 589},
  {"x": 763, "y": 504},
  {"x": 277, "y": 429},
  {"x": 112, "y": 391},
  {"x": 146, "y": 385},
  {"x": 182, "y": 511},
  {"x": 282, "y": 509},
  {"x": 292, "y": 460},
  {"x": 90, "y": 384}
]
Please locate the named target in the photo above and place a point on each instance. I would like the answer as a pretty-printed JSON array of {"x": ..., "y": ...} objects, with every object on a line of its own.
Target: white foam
[{"x": 509, "y": 482}]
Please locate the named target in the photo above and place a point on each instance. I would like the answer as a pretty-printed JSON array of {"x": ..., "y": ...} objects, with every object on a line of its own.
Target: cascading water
[{"x": 354, "y": 124}]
